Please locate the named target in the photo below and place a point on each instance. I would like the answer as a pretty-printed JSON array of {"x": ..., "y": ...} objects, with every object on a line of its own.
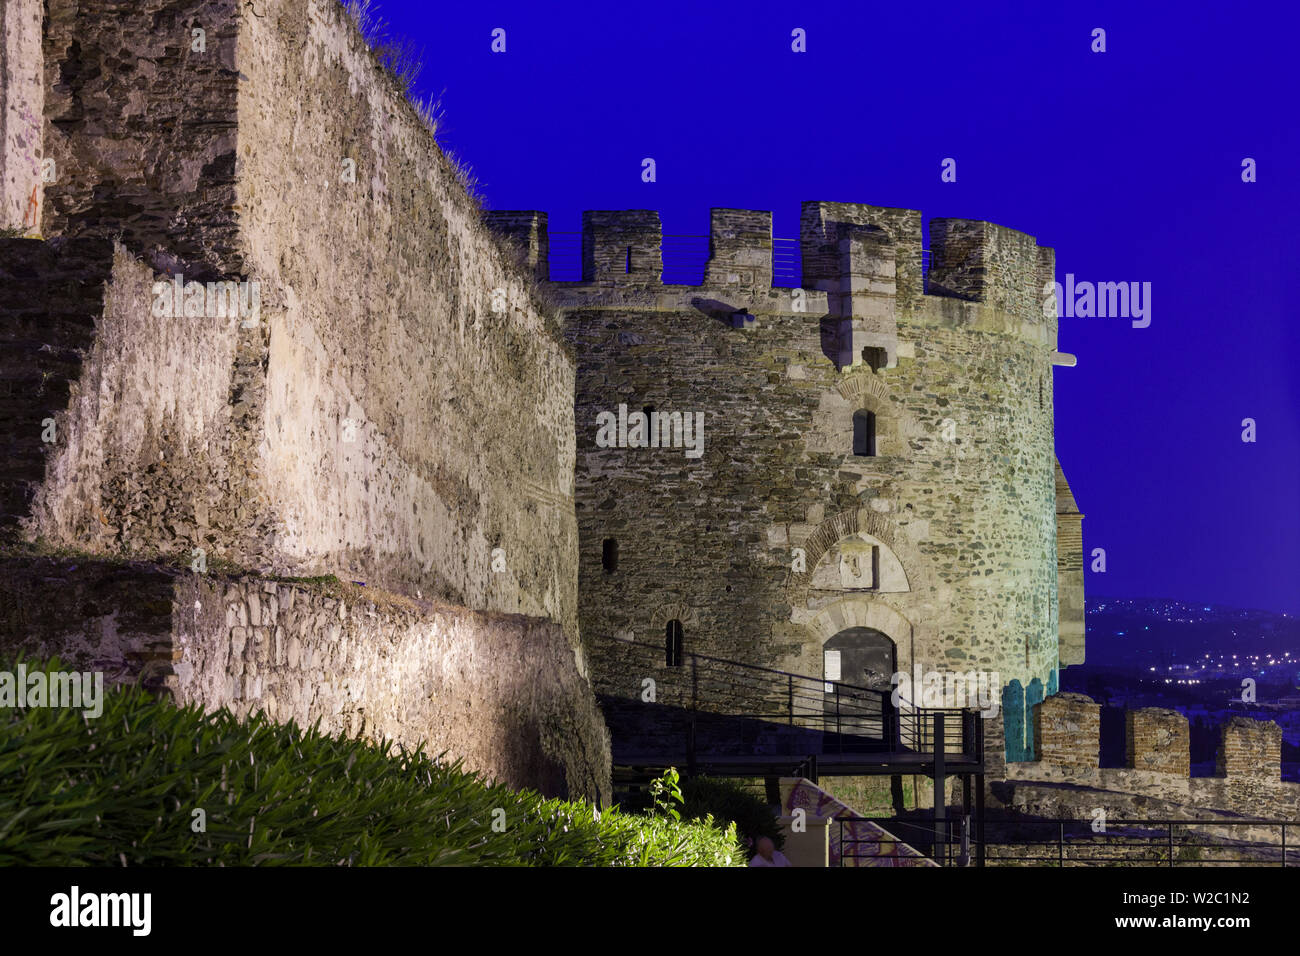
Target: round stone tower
[{"x": 871, "y": 487}]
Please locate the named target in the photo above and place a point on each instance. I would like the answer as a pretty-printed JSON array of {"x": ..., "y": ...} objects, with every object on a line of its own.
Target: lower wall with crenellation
[{"x": 1066, "y": 780}]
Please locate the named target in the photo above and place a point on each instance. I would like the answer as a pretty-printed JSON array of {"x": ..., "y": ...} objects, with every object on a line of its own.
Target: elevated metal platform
[{"x": 713, "y": 717}]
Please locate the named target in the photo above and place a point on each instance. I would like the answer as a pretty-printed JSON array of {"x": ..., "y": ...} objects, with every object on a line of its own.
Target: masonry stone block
[
  {"x": 1067, "y": 731},
  {"x": 1158, "y": 740},
  {"x": 1250, "y": 749}
]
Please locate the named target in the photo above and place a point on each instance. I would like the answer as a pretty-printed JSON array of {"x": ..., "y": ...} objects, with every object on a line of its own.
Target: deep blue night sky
[{"x": 1127, "y": 162}]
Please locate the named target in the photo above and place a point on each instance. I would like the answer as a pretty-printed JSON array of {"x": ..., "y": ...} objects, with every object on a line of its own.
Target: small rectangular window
[
  {"x": 864, "y": 434},
  {"x": 609, "y": 555},
  {"x": 673, "y": 643}
]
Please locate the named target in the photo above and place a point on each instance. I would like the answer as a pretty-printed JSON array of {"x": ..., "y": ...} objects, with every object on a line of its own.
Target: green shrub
[
  {"x": 728, "y": 801},
  {"x": 123, "y": 789}
]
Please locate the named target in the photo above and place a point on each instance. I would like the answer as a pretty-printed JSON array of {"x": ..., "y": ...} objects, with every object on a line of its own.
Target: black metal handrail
[
  {"x": 847, "y": 714},
  {"x": 686, "y": 256},
  {"x": 1061, "y": 843}
]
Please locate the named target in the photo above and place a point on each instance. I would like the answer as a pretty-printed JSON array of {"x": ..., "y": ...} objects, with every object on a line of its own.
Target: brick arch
[
  {"x": 842, "y": 525},
  {"x": 676, "y": 610},
  {"x": 864, "y": 389}
]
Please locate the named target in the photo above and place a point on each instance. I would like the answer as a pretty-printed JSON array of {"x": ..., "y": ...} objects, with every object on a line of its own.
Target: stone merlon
[{"x": 867, "y": 260}]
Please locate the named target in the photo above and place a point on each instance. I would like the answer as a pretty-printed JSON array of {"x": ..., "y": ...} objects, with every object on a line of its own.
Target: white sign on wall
[{"x": 831, "y": 665}]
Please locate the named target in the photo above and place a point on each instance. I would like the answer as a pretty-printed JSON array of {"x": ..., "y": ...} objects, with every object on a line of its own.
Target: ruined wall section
[
  {"x": 153, "y": 450},
  {"x": 51, "y": 298},
  {"x": 500, "y": 691},
  {"x": 142, "y": 128},
  {"x": 389, "y": 320},
  {"x": 377, "y": 417},
  {"x": 1065, "y": 778},
  {"x": 329, "y": 433}
]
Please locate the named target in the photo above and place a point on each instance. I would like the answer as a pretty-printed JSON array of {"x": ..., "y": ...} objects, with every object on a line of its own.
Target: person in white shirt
[{"x": 768, "y": 854}]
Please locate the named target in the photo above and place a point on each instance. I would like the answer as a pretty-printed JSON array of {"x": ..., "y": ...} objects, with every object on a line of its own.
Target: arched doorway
[{"x": 858, "y": 661}]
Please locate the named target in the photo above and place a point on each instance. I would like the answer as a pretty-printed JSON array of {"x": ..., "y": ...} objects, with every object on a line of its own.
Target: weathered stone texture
[
  {"x": 398, "y": 409},
  {"x": 329, "y": 434},
  {"x": 966, "y": 527},
  {"x": 1067, "y": 731},
  {"x": 156, "y": 435},
  {"x": 981, "y": 261},
  {"x": 1069, "y": 572},
  {"x": 142, "y": 127},
  {"x": 22, "y": 96},
  {"x": 389, "y": 319},
  {"x": 500, "y": 691},
  {"x": 51, "y": 294},
  {"x": 1250, "y": 748},
  {"x": 1158, "y": 740}
]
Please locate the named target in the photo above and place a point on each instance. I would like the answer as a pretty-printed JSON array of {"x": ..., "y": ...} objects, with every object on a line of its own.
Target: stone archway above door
[
  {"x": 856, "y": 610},
  {"x": 844, "y": 525}
]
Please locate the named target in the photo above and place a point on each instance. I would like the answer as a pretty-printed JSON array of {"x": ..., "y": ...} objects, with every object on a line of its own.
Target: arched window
[
  {"x": 864, "y": 434},
  {"x": 609, "y": 555},
  {"x": 673, "y": 643}
]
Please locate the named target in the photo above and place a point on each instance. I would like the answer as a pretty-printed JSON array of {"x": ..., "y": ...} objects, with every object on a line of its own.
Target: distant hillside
[
  {"x": 1141, "y": 633},
  {"x": 1194, "y": 658}
]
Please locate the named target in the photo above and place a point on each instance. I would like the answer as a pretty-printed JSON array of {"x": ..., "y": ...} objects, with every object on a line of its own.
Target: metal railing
[
  {"x": 953, "y": 848},
  {"x": 787, "y": 263},
  {"x": 685, "y": 259},
  {"x": 565, "y": 256},
  {"x": 850, "y": 718},
  {"x": 964, "y": 841}
]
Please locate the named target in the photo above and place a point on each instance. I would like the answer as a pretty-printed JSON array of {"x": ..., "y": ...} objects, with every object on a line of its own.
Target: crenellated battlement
[
  {"x": 623, "y": 247},
  {"x": 857, "y": 255},
  {"x": 983, "y": 262},
  {"x": 1067, "y": 745},
  {"x": 740, "y": 248},
  {"x": 823, "y": 226}
]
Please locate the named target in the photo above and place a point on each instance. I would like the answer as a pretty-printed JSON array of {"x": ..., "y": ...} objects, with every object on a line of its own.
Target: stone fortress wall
[
  {"x": 958, "y": 507},
  {"x": 398, "y": 412},
  {"x": 375, "y": 311},
  {"x": 328, "y": 437},
  {"x": 1156, "y": 782}
]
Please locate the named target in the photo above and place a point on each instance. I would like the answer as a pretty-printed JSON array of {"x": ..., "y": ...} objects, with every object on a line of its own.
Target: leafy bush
[
  {"x": 125, "y": 788},
  {"x": 727, "y": 801}
]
